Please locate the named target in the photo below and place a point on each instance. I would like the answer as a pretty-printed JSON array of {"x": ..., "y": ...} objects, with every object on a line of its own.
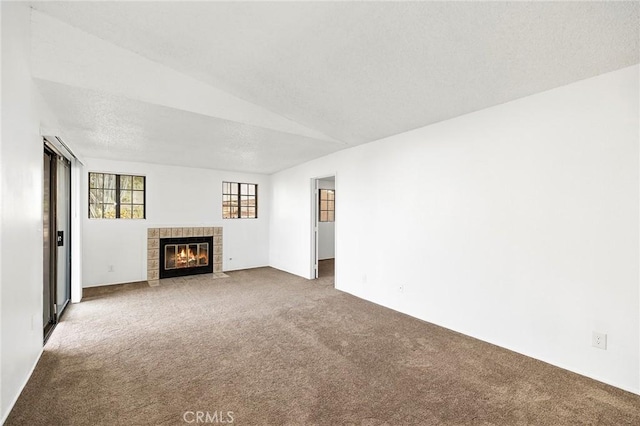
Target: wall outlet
[
  {"x": 401, "y": 288},
  {"x": 599, "y": 340},
  {"x": 110, "y": 268}
]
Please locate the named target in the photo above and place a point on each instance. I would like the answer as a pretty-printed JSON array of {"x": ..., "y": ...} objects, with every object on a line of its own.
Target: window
[
  {"x": 327, "y": 205},
  {"x": 114, "y": 196},
  {"x": 239, "y": 200}
]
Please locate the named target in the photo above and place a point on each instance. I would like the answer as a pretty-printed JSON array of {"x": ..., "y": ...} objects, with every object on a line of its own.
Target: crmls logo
[{"x": 208, "y": 417}]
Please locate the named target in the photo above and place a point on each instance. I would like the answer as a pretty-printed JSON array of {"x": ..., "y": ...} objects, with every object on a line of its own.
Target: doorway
[
  {"x": 324, "y": 220},
  {"x": 56, "y": 228}
]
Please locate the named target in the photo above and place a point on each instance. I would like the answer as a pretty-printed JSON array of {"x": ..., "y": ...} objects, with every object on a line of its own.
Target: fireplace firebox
[{"x": 186, "y": 256}]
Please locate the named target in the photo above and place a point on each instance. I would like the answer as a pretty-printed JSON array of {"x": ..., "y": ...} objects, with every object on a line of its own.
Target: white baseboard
[{"x": 15, "y": 399}]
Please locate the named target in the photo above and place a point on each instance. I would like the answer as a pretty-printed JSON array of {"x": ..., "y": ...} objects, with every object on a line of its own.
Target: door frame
[
  {"x": 67, "y": 244},
  {"x": 56, "y": 156},
  {"x": 50, "y": 301},
  {"x": 314, "y": 219},
  {"x": 78, "y": 202}
]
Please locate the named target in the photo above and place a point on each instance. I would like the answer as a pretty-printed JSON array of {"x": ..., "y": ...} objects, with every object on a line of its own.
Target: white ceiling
[
  {"x": 306, "y": 78},
  {"x": 119, "y": 128}
]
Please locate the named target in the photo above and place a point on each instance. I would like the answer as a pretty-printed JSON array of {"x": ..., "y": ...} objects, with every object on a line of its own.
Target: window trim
[
  {"x": 239, "y": 199},
  {"x": 117, "y": 196}
]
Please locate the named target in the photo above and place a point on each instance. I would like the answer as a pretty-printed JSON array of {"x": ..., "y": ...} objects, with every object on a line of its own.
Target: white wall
[
  {"x": 326, "y": 230},
  {"x": 518, "y": 224},
  {"x": 21, "y": 176},
  {"x": 176, "y": 196}
]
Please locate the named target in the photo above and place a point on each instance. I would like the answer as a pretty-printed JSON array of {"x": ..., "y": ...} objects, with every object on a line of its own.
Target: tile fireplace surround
[{"x": 153, "y": 246}]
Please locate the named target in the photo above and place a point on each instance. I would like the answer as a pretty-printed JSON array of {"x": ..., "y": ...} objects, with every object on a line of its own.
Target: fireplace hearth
[{"x": 173, "y": 252}]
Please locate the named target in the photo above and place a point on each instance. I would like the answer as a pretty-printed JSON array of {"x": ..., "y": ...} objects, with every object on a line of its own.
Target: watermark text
[{"x": 201, "y": 417}]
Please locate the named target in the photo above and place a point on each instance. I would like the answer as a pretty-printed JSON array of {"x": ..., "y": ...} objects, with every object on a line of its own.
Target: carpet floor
[{"x": 263, "y": 347}]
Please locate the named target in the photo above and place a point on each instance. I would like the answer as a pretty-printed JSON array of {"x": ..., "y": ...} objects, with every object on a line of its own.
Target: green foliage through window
[{"x": 113, "y": 196}]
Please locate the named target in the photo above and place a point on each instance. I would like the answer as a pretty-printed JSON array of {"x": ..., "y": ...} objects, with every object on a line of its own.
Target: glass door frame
[{"x": 57, "y": 246}]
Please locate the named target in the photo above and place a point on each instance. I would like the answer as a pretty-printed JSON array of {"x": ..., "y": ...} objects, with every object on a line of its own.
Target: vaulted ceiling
[{"x": 262, "y": 86}]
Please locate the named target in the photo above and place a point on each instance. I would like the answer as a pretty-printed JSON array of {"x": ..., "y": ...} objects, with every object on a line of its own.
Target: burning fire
[
  {"x": 183, "y": 257},
  {"x": 186, "y": 256}
]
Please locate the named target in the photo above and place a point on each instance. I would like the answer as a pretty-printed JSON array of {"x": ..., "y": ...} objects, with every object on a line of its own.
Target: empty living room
[{"x": 320, "y": 213}]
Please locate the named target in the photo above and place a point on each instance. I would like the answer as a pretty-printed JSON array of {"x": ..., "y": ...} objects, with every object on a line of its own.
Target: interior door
[{"x": 63, "y": 231}]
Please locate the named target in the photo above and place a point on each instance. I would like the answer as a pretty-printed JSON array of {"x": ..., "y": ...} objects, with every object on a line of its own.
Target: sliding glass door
[{"x": 56, "y": 215}]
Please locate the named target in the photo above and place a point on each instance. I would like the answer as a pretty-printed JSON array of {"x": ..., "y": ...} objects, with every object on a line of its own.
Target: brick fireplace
[{"x": 154, "y": 235}]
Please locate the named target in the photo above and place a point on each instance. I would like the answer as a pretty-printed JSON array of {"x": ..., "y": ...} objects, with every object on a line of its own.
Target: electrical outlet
[
  {"x": 110, "y": 268},
  {"x": 599, "y": 340},
  {"x": 401, "y": 288}
]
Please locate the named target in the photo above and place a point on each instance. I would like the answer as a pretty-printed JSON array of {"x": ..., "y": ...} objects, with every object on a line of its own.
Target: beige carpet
[
  {"x": 275, "y": 349},
  {"x": 326, "y": 268}
]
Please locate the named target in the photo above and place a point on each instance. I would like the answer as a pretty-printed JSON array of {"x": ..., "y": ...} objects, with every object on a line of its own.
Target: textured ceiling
[
  {"x": 355, "y": 72},
  {"x": 118, "y": 128}
]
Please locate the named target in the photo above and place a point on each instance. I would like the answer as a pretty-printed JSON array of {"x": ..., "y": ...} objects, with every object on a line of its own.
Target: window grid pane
[
  {"x": 326, "y": 207},
  {"x": 138, "y": 197},
  {"x": 109, "y": 211},
  {"x": 125, "y": 182},
  {"x": 138, "y": 183},
  {"x": 138, "y": 211},
  {"x": 239, "y": 200},
  {"x": 111, "y": 196}
]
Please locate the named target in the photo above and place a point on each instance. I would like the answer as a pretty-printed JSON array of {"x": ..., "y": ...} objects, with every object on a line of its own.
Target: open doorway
[{"x": 324, "y": 212}]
